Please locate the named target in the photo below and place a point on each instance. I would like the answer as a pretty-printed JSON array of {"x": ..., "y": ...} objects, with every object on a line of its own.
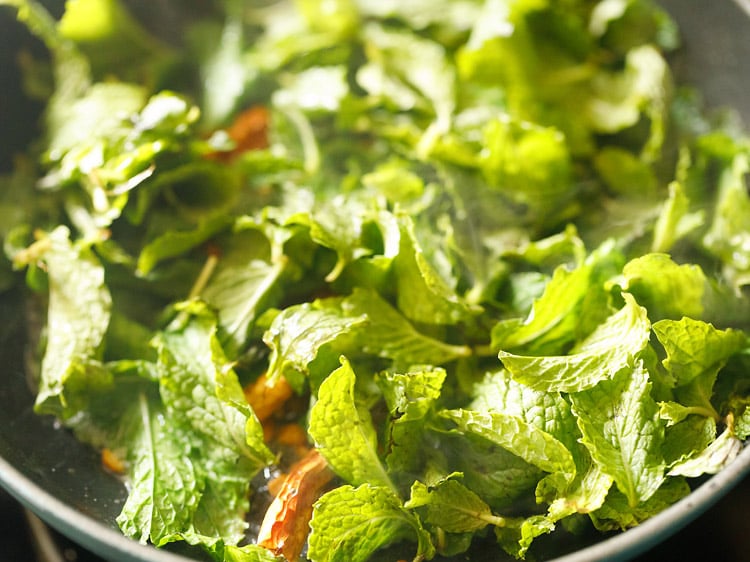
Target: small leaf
[
  {"x": 712, "y": 459},
  {"x": 344, "y": 434},
  {"x": 451, "y": 506},
  {"x": 350, "y": 524}
]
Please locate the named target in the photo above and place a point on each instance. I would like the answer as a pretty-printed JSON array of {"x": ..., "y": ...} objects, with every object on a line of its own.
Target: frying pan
[{"x": 62, "y": 481}]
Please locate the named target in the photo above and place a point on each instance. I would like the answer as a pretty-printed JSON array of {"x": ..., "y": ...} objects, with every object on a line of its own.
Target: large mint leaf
[
  {"x": 452, "y": 507},
  {"x": 623, "y": 432},
  {"x": 199, "y": 386},
  {"x": 203, "y": 396},
  {"x": 549, "y": 411},
  {"x": 497, "y": 475},
  {"x": 165, "y": 487},
  {"x": 533, "y": 445},
  {"x": 350, "y": 524},
  {"x": 694, "y": 347},
  {"x": 610, "y": 348},
  {"x": 78, "y": 315},
  {"x": 344, "y": 433}
]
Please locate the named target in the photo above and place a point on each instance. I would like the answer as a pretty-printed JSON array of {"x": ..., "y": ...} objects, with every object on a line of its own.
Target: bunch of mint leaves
[{"x": 502, "y": 254}]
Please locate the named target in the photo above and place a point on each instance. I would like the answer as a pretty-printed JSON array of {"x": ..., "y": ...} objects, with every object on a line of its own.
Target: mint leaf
[
  {"x": 199, "y": 386},
  {"x": 388, "y": 334},
  {"x": 610, "y": 348},
  {"x": 244, "y": 284},
  {"x": 353, "y": 523},
  {"x": 666, "y": 289},
  {"x": 296, "y": 335},
  {"x": 248, "y": 553},
  {"x": 78, "y": 315},
  {"x": 675, "y": 220},
  {"x": 164, "y": 485},
  {"x": 411, "y": 399},
  {"x": 618, "y": 515},
  {"x": 244, "y": 553},
  {"x": 587, "y": 493},
  {"x": 451, "y": 506},
  {"x": 528, "y": 442},
  {"x": 174, "y": 243},
  {"x": 687, "y": 438},
  {"x": 423, "y": 295},
  {"x": 488, "y": 469},
  {"x": 203, "y": 397},
  {"x": 694, "y": 347},
  {"x": 728, "y": 237},
  {"x": 712, "y": 459},
  {"x": 343, "y": 431},
  {"x": 622, "y": 431},
  {"x": 548, "y": 411},
  {"x": 553, "y": 319}
]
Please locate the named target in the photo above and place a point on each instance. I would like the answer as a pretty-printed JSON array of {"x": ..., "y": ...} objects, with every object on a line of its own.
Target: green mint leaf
[
  {"x": 524, "y": 440},
  {"x": 297, "y": 334},
  {"x": 728, "y": 236},
  {"x": 587, "y": 493},
  {"x": 666, "y": 289},
  {"x": 388, "y": 334},
  {"x": 423, "y": 295},
  {"x": 496, "y": 474},
  {"x": 337, "y": 228},
  {"x": 202, "y": 395},
  {"x": 687, "y": 438},
  {"x": 618, "y": 515},
  {"x": 164, "y": 485},
  {"x": 622, "y": 431},
  {"x": 516, "y": 539},
  {"x": 343, "y": 431},
  {"x": 248, "y": 553},
  {"x": 350, "y": 524},
  {"x": 244, "y": 283},
  {"x": 201, "y": 389},
  {"x": 426, "y": 72},
  {"x": 411, "y": 399},
  {"x": 610, "y": 348},
  {"x": 712, "y": 459},
  {"x": 451, "y": 506},
  {"x": 675, "y": 220},
  {"x": 78, "y": 315},
  {"x": 694, "y": 347},
  {"x": 176, "y": 242},
  {"x": 552, "y": 320},
  {"x": 548, "y": 411}
]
